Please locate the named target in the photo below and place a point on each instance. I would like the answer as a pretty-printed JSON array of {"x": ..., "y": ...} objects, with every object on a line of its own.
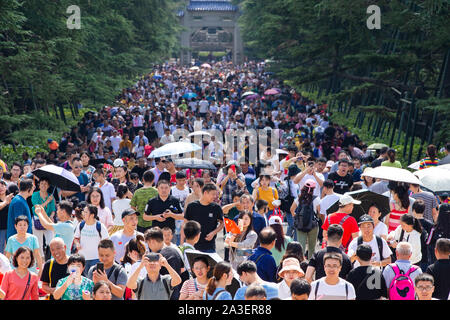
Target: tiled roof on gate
[{"x": 211, "y": 5}]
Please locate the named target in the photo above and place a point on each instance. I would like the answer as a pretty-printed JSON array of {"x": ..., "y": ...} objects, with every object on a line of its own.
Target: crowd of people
[{"x": 130, "y": 230}]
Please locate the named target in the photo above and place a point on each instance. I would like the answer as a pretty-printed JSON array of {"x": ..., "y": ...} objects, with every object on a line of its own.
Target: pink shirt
[
  {"x": 14, "y": 286},
  {"x": 105, "y": 216}
]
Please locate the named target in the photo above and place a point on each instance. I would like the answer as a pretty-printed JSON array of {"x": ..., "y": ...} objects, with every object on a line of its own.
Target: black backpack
[
  {"x": 379, "y": 244},
  {"x": 305, "y": 218}
]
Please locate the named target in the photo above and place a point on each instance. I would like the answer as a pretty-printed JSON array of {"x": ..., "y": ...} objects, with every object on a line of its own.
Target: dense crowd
[{"x": 146, "y": 228}]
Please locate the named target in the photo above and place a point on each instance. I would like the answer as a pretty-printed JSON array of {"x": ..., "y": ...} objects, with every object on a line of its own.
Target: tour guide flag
[{"x": 231, "y": 226}]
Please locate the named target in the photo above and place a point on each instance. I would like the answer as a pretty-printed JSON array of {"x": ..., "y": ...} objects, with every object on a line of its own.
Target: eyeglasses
[
  {"x": 334, "y": 266},
  {"x": 424, "y": 288},
  {"x": 77, "y": 167}
]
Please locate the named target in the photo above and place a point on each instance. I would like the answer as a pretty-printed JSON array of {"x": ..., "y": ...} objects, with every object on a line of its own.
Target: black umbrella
[
  {"x": 58, "y": 177},
  {"x": 367, "y": 198},
  {"x": 192, "y": 163},
  {"x": 213, "y": 259}
]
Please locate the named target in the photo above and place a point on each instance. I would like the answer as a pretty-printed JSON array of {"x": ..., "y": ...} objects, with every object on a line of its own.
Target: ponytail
[
  {"x": 220, "y": 269},
  {"x": 412, "y": 221}
]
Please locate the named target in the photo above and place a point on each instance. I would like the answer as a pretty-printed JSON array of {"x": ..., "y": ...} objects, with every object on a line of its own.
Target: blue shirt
[
  {"x": 271, "y": 291},
  {"x": 18, "y": 207},
  {"x": 266, "y": 266},
  {"x": 65, "y": 230},
  {"x": 83, "y": 180},
  {"x": 225, "y": 295}
]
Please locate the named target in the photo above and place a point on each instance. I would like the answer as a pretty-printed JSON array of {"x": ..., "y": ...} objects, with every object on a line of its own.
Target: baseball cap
[
  {"x": 310, "y": 183},
  {"x": 365, "y": 218},
  {"x": 330, "y": 163},
  {"x": 346, "y": 199},
  {"x": 128, "y": 212},
  {"x": 118, "y": 163},
  {"x": 275, "y": 220}
]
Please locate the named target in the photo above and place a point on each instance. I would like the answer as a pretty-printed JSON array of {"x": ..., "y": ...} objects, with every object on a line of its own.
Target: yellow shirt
[{"x": 269, "y": 195}]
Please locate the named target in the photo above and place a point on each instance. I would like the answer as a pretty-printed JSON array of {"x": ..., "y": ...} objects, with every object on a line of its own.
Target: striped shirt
[
  {"x": 427, "y": 163},
  {"x": 430, "y": 203},
  {"x": 394, "y": 219},
  {"x": 189, "y": 289}
]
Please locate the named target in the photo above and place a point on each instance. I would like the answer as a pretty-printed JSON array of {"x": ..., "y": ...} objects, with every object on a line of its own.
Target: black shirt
[
  {"x": 316, "y": 261},
  {"x": 426, "y": 225},
  {"x": 361, "y": 277},
  {"x": 377, "y": 162},
  {"x": 207, "y": 216},
  {"x": 440, "y": 270},
  {"x": 4, "y": 217},
  {"x": 59, "y": 271},
  {"x": 140, "y": 171},
  {"x": 341, "y": 184},
  {"x": 156, "y": 206}
]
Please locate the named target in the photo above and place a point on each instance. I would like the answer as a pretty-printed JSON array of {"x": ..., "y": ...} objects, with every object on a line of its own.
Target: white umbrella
[
  {"x": 217, "y": 81},
  {"x": 248, "y": 93},
  {"x": 393, "y": 174},
  {"x": 174, "y": 148},
  {"x": 434, "y": 179},
  {"x": 415, "y": 165},
  {"x": 194, "y": 68},
  {"x": 281, "y": 151},
  {"x": 199, "y": 133},
  {"x": 444, "y": 166}
]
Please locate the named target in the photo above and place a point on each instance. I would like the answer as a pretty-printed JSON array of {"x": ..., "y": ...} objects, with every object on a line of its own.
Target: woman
[
  {"x": 122, "y": 175},
  {"x": 290, "y": 271},
  {"x": 196, "y": 194},
  {"x": 391, "y": 162},
  {"x": 293, "y": 250},
  {"x": 140, "y": 149},
  {"x": 306, "y": 198},
  {"x": 88, "y": 234},
  {"x": 118, "y": 206},
  {"x": 265, "y": 192},
  {"x": 95, "y": 197},
  {"x": 441, "y": 229},
  {"x": 20, "y": 283},
  {"x": 194, "y": 288},
  {"x": 431, "y": 160},
  {"x": 241, "y": 245},
  {"x": 399, "y": 207},
  {"x": 24, "y": 239},
  {"x": 134, "y": 251},
  {"x": 102, "y": 291},
  {"x": 74, "y": 286},
  {"x": 409, "y": 231},
  {"x": 282, "y": 240},
  {"x": 222, "y": 277},
  {"x": 380, "y": 228},
  {"x": 87, "y": 168},
  {"x": 5, "y": 200},
  {"x": 367, "y": 181},
  {"x": 46, "y": 200}
]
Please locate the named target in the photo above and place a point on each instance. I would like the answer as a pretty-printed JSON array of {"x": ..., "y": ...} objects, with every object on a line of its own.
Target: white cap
[
  {"x": 330, "y": 163},
  {"x": 346, "y": 199},
  {"x": 275, "y": 220},
  {"x": 118, "y": 163}
]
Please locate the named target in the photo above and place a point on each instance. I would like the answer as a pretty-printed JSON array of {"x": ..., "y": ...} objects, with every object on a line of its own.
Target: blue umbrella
[
  {"x": 157, "y": 77},
  {"x": 190, "y": 95}
]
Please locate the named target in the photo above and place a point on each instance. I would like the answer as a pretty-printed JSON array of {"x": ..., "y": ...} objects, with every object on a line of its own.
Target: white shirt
[
  {"x": 380, "y": 229},
  {"x": 317, "y": 188},
  {"x": 412, "y": 238},
  {"x": 332, "y": 292},
  {"x": 181, "y": 195},
  {"x": 105, "y": 216},
  {"x": 115, "y": 142},
  {"x": 375, "y": 252},
  {"x": 284, "y": 291},
  {"x": 89, "y": 240},
  {"x": 119, "y": 206},
  {"x": 109, "y": 193},
  {"x": 327, "y": 201},
  {"x": 167, "y": 139},
  {"x": 203, "y": 106}
]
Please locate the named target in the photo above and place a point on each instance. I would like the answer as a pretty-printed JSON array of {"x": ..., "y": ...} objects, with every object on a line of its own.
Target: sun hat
[{"x": 291, "y": 264}]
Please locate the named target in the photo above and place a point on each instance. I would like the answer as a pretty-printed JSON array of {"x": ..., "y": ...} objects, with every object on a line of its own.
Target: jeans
[
  {"x": 89, "y": 264},
  {"x": 2, "y": 240},
  {"x": 311, "y": 237},
  {"x": 291, "y": 232}
]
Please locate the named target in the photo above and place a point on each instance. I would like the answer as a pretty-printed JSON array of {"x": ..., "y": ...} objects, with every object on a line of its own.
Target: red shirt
[
  {"x": 350, "y": 226},
  {"x": 14, "y": 286}
]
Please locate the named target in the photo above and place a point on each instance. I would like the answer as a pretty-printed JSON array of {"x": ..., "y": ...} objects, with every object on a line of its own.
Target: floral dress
[{"x": 75, "y": 292}]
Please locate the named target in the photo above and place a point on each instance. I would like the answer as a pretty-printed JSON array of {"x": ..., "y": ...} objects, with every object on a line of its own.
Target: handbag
[{"x": 37, "y": 224}]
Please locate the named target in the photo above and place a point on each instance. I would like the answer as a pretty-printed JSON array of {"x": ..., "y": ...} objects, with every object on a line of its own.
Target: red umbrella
[{"x": 271, "y": 92}]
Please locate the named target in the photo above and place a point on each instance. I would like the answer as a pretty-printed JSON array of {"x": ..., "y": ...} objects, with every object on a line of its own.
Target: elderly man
[
  {"x": 139, "y": 137},
  {"x": 56, "y": 268},
  {"x": 403, "y": 263}
]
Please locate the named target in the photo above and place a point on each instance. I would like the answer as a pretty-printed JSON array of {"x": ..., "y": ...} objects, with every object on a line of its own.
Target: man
[
  {"x": 259, "y": 220},
  {"x": 16, "y": 171},
  {"x": 431, "y": 204},
  {"x": 329, "y": 197},
  {"x": 343, "y": 218},
  {"x": 255, "y": 292},
  {"x": 203, "y": 107},
  {"x": 343, "y": 181},
  {"x": 424, "y": 287},
  {"x": 403, "y": 253},
  {"x": 310, "y": 173},
  {"x": 113, "y": 274},
  {"x": 154, "y": 238},
  {"x": 167, "y": 137},
  {"x": 341, "y": 156},
  {"x": 440, "y": 270},
  {"x": 64, "y": 227},
  {"x": 247, "y": 272},
  {"x": 139, "y": 137},
  {"x": 122, "y": 237},
  {"x": 159, "y": 168},
  {"x": 108, "y": 190},
  {"x": 300, "y": 289},
  {"x": 125, "y": 145},
  {"x": 332, "y": 287},
  {"x": 381, "y": 256},
  {"x": 83, "y": 179},
  {"x": 381, "y": 158},
  {"x": 141, "y": 167},
  {"x": 262, "y": 256},
  {"x": 155, "y": 286},
  {"x": 164, "y": 209},
  {"x": 210, "y": 216},
  {"x": 315, "y": 265},
  {"x": 115, "y": 141},
  {"x": 55, "y": 268},
  {"x": 180, "y": 191},
  {"x": 230, "y": 182},
  {"x": 19, "y": 207},
  {"x": 141, "y": 198},
  {"x": 367, "y": 280}
]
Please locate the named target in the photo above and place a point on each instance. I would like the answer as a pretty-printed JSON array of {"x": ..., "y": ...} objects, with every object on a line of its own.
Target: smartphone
[
  {"x": 153, "y": 257},
  {"x": 100, "y": 267}
]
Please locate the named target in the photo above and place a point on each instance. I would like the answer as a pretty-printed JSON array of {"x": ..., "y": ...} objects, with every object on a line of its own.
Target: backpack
[
  {"x": 305, "y": 218},
  {"x": 98, "y": 226},
  {"x": 402, "y": 286},
  {"x": 286, "y": 197},
  {"x": 166, "y": 287}
]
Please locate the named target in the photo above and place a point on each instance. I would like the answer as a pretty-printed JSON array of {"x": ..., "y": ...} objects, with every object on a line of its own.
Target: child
[{"x": 192, "y": 231}]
